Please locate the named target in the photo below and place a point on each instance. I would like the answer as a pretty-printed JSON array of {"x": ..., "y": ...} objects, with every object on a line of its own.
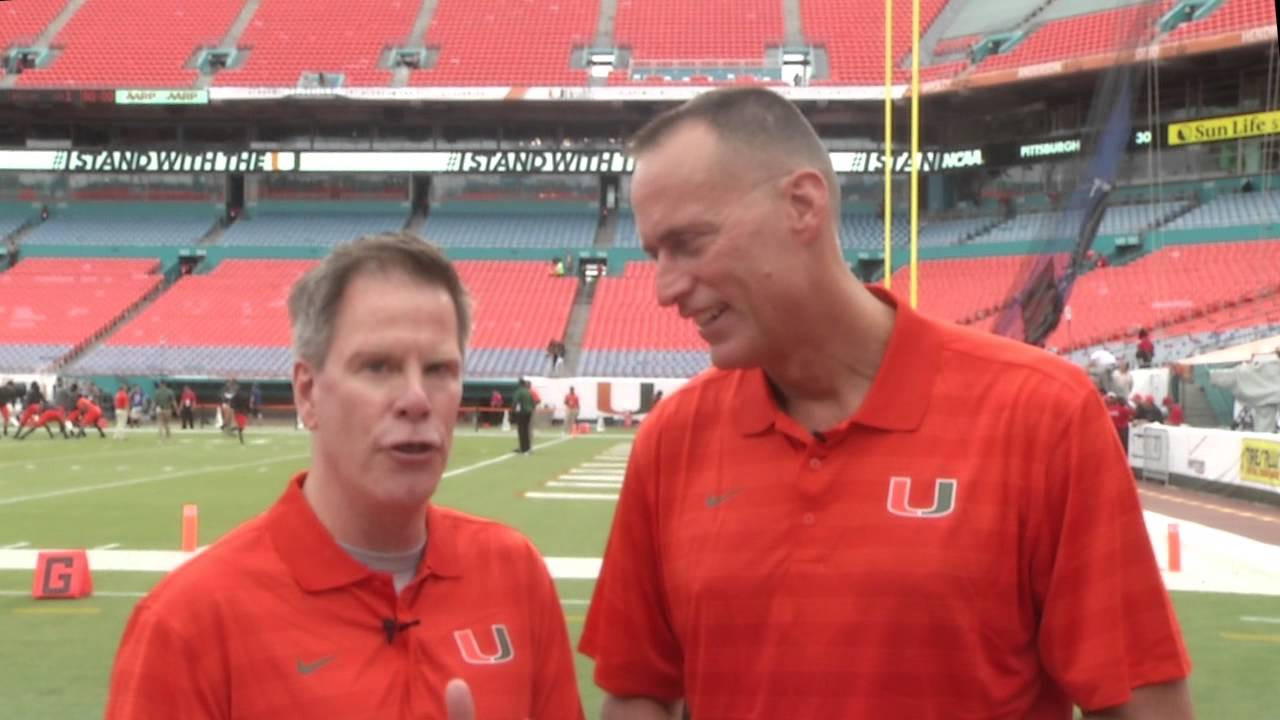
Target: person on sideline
[
  {"x": 355, "y": 595},
  {"x": 522, "y": 406},
  {"x": 858, "y": 512},
  {"x": 571, "y": 405}
]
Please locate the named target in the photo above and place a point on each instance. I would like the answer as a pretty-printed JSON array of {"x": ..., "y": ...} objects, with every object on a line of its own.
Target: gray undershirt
[{"x": 401, "y": 565}]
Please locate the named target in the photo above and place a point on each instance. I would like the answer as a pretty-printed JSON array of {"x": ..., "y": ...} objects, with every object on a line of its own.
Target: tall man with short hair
[{"x": 859, "y": 512}]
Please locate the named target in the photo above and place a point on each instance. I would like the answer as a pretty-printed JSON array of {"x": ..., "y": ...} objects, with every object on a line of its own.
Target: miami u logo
[
  {"x": 472, "y": 653},
  {"x": 944, "y": 498}
]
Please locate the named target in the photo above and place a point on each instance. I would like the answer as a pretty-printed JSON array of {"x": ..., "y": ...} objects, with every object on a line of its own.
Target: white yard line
[
  {"x": 105, "y": 455},
  {"x": 561, "y": 568},
  {"x": 570, "y": 496},
  {"x": 238, "y": 466},
  {"x": 1252, "y": 619},
  {"x": 557, "y": 483},
  {"x": 501, "y": 458},
  {"x": 147, "y": 479}
]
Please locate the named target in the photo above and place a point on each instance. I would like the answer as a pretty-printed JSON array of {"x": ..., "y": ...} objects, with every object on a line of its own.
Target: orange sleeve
[
  {"x": 161, "y": 673},
  {"x": 628, "y": 629},
  {"x": 1107, "y": 624},
  {"x": 555, "y": 695}
]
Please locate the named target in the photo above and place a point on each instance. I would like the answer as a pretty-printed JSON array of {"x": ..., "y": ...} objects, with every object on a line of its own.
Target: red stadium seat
[
  {"x": 99, "y": 51},
  {"x": 69, "y": 301},
  {"x": 287, "y": 38},
  {"x": 497, "y": 42}
]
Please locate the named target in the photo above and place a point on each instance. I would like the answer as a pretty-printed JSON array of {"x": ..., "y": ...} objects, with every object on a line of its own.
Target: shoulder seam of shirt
[{"x": 1061, "y": 377}]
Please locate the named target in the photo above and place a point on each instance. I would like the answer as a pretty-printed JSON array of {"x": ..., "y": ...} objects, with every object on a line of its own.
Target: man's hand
[{"x": 457, "y": 701}]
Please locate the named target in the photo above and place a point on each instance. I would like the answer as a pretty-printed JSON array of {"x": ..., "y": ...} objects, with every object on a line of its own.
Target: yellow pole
[
  {"x": 915, "y": 151},
  {"x": 888, "y": 143}
]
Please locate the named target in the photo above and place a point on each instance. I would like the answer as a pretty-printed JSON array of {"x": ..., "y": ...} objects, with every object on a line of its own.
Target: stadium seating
[
  {"x": 705, "y": 30},
  {"x": 13, "y": 215},
  {"x": 1261, "y": 311},
  {"x": 1231, "y": 15},
  {"x": 573, "y": 226},
  {"x": 1027, "y": 226},
  {"x": 941, "y": 233},
  {"x": 629, "y": 335},
  {"x": 853, "y": 33},
  {"x": 234, "y": 321},
  {"x": 96, "y": 53},
  {"x": 120, "y": 223},
  {"x": 1165, "y": 286},
  {"x": 1232, "y": 210},
  {"x": 493, "y": 42},
  {"x": 231, "y": 322},
  {"x": 626, "y": 236},
  {"x": 287, "y": 38},
  {"x": 643, "y": 363},
  {"x": 866, "y": 232},
  {"x": 498, "y": 42},
  {"x": 860, "y": 231},
  {"x": 1121, "y": 219},
  {"x": 22, "y": 23},
  {"x": 518, "y": 303},
  {"x": 312, "y": 224},
  {"x": 960, "y": 288},
  {"x": 49, "y": 307},
  {"x": 1078, "y": 36},
  {"x": 1176, "y": 343}
]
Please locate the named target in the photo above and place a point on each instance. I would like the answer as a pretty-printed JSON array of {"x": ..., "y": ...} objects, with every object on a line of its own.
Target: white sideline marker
[{"x": 571, "y": 496}]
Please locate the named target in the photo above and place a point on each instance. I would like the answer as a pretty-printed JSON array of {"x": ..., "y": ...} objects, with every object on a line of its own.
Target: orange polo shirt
[
  {"x": 276, "y": 620},
  {"x": 968, "y": 544}
]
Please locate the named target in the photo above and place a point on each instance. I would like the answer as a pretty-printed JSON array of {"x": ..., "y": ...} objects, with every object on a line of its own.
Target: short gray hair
[
  {"x": 314, "y": 299},
  {"x": 756, "y": 120}
]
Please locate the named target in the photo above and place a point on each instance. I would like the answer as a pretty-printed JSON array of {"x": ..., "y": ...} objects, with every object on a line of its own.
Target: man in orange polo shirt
[
  {"x": 354, "y": 596},
  {"x": 859, "y": 512}
]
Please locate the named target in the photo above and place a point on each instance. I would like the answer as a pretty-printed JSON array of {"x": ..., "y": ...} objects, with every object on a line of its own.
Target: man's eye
[
  {"x": 443, "y": 368},
  {"x": 377, "y": 366}
]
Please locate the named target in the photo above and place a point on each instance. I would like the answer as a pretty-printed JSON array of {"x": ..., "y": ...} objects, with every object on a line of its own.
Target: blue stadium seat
[
  {"x": 1233, "y": 210},
  {"x": 118, "y": 223},
  {"x": 30, "y": 358},
  {"x": 515, "y": 230},
  {"x": 310, "y": 229}
]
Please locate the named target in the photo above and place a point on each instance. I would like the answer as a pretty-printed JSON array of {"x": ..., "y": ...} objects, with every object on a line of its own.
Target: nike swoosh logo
[
  {"x": 715, "y": 500},
  {"x": 308, "y": 668}
]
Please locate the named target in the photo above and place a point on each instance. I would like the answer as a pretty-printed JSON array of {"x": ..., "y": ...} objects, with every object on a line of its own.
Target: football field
[{"x": 117, "y": 497}]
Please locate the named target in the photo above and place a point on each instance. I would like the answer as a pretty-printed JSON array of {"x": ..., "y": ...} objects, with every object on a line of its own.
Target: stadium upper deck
[{"x": 568, "y": 43}]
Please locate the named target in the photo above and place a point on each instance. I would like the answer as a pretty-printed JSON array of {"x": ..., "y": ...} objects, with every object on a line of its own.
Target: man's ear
[
  {"x": 808, "y": 202},
  {"x": 304, "y": 391}
]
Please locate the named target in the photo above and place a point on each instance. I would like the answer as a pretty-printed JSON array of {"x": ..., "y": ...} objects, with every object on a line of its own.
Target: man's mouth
[{"x": 710, "y": 316}]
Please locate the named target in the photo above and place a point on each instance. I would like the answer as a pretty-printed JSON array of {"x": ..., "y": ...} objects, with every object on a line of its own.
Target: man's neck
[
  {"x": 823, "y": 380},
  {"x": 351, "y": 523}
]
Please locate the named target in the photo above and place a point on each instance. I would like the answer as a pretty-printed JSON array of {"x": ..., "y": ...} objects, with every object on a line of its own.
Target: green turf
[{"x": 57, "y": 655}]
